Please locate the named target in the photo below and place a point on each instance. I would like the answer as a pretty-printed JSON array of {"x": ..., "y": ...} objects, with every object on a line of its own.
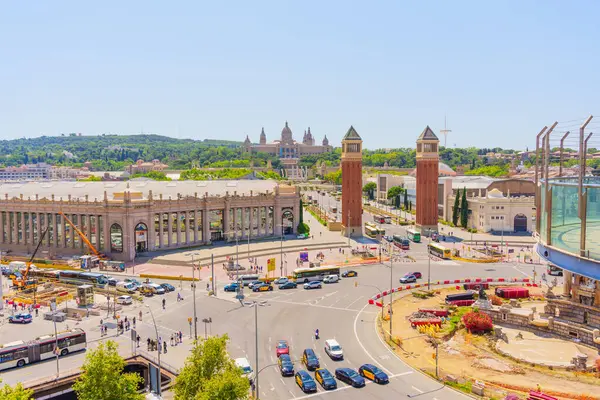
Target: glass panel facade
[
  {"x": 156, "y": 230},
  {"x": 592, "y": 238},
  {"x": 101, "y": 231},
  {"x": 198, "y": 223},
  {"x": 116, "y": 238}
]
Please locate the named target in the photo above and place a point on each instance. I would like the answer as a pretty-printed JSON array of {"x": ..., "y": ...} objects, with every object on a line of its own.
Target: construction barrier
[{"x": 168, "y": 277}]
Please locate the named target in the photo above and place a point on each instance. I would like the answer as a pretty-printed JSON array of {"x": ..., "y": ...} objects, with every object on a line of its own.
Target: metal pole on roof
[{"x": 560, "y": 162}]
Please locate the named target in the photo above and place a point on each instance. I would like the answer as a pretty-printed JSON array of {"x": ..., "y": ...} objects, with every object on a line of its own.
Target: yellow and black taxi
[
  {"x": 373, "y": 373},
  {"x": 305, "y": 382},
  {"x": 310, "y": 359},
  {"x": 262, "y": 287},
  {"x": 325, "y": 378},
  {"x": 350, "y": 376},
  {"x": 286, "y": 367},
  {"x": 349, "y": 274}
]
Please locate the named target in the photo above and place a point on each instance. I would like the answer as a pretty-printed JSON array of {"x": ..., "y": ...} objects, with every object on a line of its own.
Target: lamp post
[
  {"x": 256, "y": 304},
  {"x": 206, "y": 321},
  {"x": 428, "y": 261},
  {"x": 159, "y": 380},
  {"x": 193, "y": 294},
  {"x": 391, "y": 284}
]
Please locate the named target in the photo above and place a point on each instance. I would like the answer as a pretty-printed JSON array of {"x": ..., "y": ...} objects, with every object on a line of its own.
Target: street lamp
[
  {"x": 206, "y": 321},
  {"x": 159, "y": 380},
  {"x": 391, "y": 285},
  {"x": 194, "y": 293},
  {"x": 256, "y": 304}
]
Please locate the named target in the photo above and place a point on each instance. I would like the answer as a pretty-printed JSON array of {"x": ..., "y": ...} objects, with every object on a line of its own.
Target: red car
[
  {"x": 416, "y": 274},
  {"x": 282, "y": 348}
]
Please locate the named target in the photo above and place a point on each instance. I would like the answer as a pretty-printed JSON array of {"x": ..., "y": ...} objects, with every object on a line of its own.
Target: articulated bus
[
  {"x": 371, "y": 231},
  {"x": 413, "y": 235},
  {"x": 304, "y": 275},
  {"x": 439, "y": 251},
  {"x": 401, "y": 242},
  {"x": 20, "y": 353},
  {"x": 83, "y": 278}
]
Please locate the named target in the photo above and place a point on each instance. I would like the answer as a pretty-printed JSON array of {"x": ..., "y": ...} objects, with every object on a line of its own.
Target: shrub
[
  {"x": 497, "y": 301},
  {"x": 303, "y": 228},
  {"x": 477, "y": 322}
]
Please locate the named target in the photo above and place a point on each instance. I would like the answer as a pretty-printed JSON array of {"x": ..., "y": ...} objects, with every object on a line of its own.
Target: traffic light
[{"x": 190, "y": 320}]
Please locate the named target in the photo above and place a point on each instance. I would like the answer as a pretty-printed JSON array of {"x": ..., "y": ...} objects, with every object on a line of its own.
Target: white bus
[
  {"x": 304, "y": 275},
  {"x": 245, "y": 280},
  {"x": 20, "y": 353}
]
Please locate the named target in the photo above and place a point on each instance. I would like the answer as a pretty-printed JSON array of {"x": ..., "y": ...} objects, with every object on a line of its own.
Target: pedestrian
[
  {"x": 134, "y": 321},
  {"x": 171, "y": 340},
  {"x": 178, "y": 297},
  {"x": 165, "y": 347},
  {"x": 137, "y": 339},
  {"x": 148, "y": 342},
  {"x": 159, "y": 342},
  {"x": 125, "y": 319},
  {"x": 164, "y": 302},
  {"x": 180, "y": 337},
  {"x": 140, "y": 315},
  {"x": 37, "y": 311},
  {"x": 207, "y": 286}
]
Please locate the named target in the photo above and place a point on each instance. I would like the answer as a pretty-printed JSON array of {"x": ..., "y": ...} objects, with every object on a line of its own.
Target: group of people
[{"x": 161, "y": 345}]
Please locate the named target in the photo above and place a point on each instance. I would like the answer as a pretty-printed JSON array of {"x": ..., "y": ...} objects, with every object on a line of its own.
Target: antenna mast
[{"x": 445, "y": 132}]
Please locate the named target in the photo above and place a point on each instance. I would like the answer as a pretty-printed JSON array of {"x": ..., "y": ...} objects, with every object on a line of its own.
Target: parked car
[
  {"x": 349, "y": 273},
  {"x": 262, "y": 287},
  {"x": 124, "y": 299},
  {"x": 251, "y": 284},
  {"x": 408, "y": 279},
  {"x": 231, "y": 287},
  {"x": 325, "y": 378},
  {"x": 313, "y": 285},
  {"x": 20, "y": 318},
  {"x": 286, "y": 367},
  {"x": 373, "y": 373},
  {"x": 350, "y": 376},
  {"x": 305, "y": 382},
  {"x": 168, "y": 287},
  {"x": 282, "y": 348},
  {"x": 288, "y": 285},
  {"x": 281, "y": 280},
  {"x": 310, "y": 359}
]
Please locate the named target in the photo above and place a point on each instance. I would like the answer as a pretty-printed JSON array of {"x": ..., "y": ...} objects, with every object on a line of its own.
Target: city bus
[
  {"x": 380, "y": 230},
  {"x": 554, "y": 270},
  {"x": 82, "y": 278},
  {"x": 439, "y": 251},
  {"x": 371, "y": 231},
  {"x": 401, "y": 242},
  {"x": 379, "y": 219},
  {"x": 413, "y": 235},
  {"x": 20, "y": 353},
  {"x": 304, "y": 275},
  {"x": 245, "y": 280}
]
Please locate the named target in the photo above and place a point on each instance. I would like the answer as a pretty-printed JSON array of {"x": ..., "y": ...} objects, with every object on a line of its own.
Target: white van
[
  {"x": 331, "y": 279},
  {"x": 246, "y": 368},
  {"x": 334, "y": 350},
  {"x": 126, "y": 287}
]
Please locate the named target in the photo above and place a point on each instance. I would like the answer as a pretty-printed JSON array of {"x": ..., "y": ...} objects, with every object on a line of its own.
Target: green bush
[{"x": 303, "y": 228}]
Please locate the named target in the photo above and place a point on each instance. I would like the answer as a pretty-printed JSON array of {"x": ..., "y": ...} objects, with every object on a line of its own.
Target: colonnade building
[{"x": 122, "y": 219}]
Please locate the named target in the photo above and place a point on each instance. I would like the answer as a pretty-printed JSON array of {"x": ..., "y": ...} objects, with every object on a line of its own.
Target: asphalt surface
[{"x": 340, "y": 311}]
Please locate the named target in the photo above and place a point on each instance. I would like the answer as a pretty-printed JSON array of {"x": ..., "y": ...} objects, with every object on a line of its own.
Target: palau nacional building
[{"x": 122, "y": 219}]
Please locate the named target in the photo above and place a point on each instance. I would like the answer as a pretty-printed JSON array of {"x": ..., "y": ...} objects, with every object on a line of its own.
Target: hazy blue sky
[{"x": 223, "y": 69}]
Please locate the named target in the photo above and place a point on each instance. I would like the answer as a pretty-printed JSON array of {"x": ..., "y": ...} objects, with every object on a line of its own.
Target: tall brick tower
[
  {"x": 427, "y": 181},
  {"x": 352, "y": 184}
]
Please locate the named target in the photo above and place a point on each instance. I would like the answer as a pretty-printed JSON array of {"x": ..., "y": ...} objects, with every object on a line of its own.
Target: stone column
[
  {"x": 187, "y": 226},
  {"x": 1, "y": 228},
  {"x": 73, "y": 233},
  {"x": 39, "y": 226},
  {"x": 160, "y": 230},
  {"x": 55, "y": 229},
  {"x": 84, "y": 229},
  {"x": 250, "y": 221},
  {"x": 277, "y": 228},
  {"x": 206, "y": 225},
  {"x": 258, "y": 232},
  {"x": 15, "y": 228},
  {"x": 235, "y": 223},
  {"x": 106, "y": 233},
  {"x": 568, "y": 279},
  {"x": 226, "y": 211},
  {"x": 196, "y": 215},
  {"x": 23, "y": 237},
  {"x": 170, "y": 229}
]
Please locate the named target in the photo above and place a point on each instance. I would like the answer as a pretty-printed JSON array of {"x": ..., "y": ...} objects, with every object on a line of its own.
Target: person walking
[
  {"x": 164, "y": 303},
  {"x": 134, "y": 322},
  {"x": 138, "y": 340},
  {"x": 148, "y": 342},
  {"x": 140, "y": 314},
  {"x": 165, "y": 347}
]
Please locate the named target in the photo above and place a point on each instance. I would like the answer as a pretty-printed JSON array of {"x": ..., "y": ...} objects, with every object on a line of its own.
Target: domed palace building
[{"x": 289, "y": 150}]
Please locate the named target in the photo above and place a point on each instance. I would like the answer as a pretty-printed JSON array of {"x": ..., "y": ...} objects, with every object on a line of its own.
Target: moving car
[
  {"x": 168, "y": 287},
  {"x": 417, "y": 275},
  {"x": 325, "y": 378},
  {"x": 350, "y": 376},
  {"x": 286, "y": 367},
  {"x": 112, "y": 281},
  {"x": 310, "y": 359},
  {"x": 124, "y": 299},
  {"x": 313, "y": 285},
  {"x": 134, "y": 281},
  {"x": 282, "y": 348},
  {"x": 288, "y": 285},
  {"x": 373, "y": 373},
  {"x": 154, "y": 288},
  {"x": 262, "y": 287},
  {"x": 282, "y": 280},
  {"x": 244, "y": 365},
  {"x": 333, "y": 349},
  {"x": 331, "y": 279},
  {"x": 127, "y": 287},
  {"x": 389, "y": 238},
  {"x": 306, "y": 383},
  {"x": 231, "y": 287},
  {"x": 348, "y": 274},
  {"x": 20, "y": 318},
  {"x": 408, "y": 279},
  {"x": 251, "y": 284}
]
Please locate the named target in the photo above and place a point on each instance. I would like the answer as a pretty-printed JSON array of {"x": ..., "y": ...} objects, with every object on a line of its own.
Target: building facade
[
  {"x": 26, "y": 172},
  {"x": 351, "y": 183},
  {"x": 143, "y": 167},
  {"x": 427, "y": 181},
  {"x": 122, "y": 219}
]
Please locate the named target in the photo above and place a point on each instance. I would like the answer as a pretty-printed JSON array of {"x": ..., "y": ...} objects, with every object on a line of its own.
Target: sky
[{"x": 498, "y": 71}]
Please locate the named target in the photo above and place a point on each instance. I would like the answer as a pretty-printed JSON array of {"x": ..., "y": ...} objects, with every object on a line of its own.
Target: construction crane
[
  {"x": 84, "y": 238},
  {"x": 22, "y": 282}
]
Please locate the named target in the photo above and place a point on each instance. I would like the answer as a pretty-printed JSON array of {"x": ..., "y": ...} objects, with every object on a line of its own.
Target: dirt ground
[{"x": 470, "y": 356}]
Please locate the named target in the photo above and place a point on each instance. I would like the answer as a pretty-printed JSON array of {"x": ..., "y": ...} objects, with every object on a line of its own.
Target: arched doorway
[
  {"x": 520, "y": 223},
  {"x": 287, "y": 221},
  {"x": 116, "y": 238},
  {"x": 141, "y": 238}
]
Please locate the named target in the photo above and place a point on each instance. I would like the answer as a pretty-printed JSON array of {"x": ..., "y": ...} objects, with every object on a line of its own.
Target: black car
[
  {"x": 168, "y": 287},
  {"x": 286, "y": 367},
  {"x": 325, "y": 378},
  {"x": 288, "y": 285},
  {"x": 350, "y": 376},
  {"x": 310, "y": 359},
  {"x": 348, "y": 274},
  {"x": 373, "y": 373}
]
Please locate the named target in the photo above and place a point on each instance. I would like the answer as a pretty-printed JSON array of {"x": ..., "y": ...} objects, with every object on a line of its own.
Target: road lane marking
[
  {"x": 320, "y": 306},
  {"x": 360, "y": 343},
  {"x": 417, "y": 389},
  {"x": 282, "y": 381},
  {"x": 355, "y": 301}
]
